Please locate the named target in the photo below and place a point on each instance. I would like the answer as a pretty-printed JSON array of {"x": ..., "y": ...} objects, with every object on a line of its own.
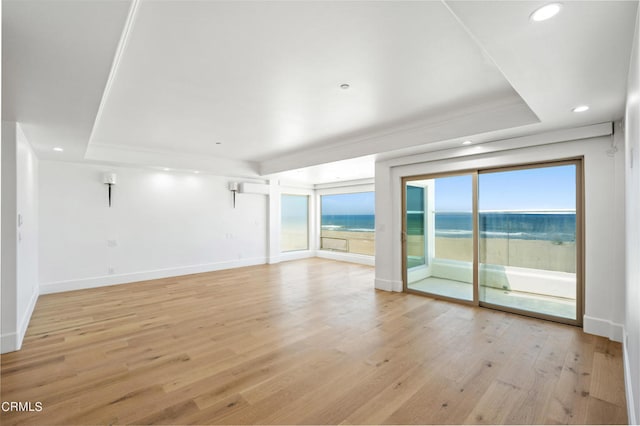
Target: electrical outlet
[
  {"x": 112, "y": 243},
  {"x": 112, "y": 270}
]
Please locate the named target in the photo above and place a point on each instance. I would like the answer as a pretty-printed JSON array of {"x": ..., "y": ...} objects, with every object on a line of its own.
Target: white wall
[
  {"x": 604, "y": 264},
  {"x": 19, "y": 236},
  {"x": 161, "y": 223},
  {"x": 632, "y": 213},
  {"x": 1, "y": 137},
  {"x": 27, "y": 198},
  {"x": 9, "y": 315}
]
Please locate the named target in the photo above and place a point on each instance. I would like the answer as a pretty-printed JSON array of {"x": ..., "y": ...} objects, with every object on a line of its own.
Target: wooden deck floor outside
[{"x": 304, "y": 342}]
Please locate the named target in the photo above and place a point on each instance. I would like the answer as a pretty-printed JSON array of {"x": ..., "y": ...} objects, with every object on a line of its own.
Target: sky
[
  {"x": 295, "y": 207},
  {"x": 546, "y": 188},
  {"x": 359, "y": 203}
]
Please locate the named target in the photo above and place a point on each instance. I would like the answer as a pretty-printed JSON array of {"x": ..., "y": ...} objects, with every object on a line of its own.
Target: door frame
[{"x": 403, "y": 236}]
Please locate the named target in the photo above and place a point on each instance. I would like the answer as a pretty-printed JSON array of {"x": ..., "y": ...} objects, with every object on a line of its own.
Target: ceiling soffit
[
  {"x": 56, "y": 57},
  {"x": 257, "y": 81}
]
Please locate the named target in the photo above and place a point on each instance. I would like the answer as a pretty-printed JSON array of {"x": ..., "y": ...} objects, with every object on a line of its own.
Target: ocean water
[
  {"x": 351, "y": 223},
  {"x": 552, "y": 226},
  {"x": 513, "y": 225}
]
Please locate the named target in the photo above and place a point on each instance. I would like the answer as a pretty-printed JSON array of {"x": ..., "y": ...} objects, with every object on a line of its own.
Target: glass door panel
[
  {"x": 527, "y": 240},
  {"x": 416, "y": 229},
  {"x": 439, "y": 236}
]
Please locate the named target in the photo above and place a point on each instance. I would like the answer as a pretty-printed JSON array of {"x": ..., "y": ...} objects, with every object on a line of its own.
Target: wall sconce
[
  {"x": 233, "y": 187},
  {"x": 247, "y": 188},
  {"x": 109, "y": 179}
]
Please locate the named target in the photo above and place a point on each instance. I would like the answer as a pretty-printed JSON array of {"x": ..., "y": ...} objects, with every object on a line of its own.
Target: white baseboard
[
  {"x": 604, "y": 328},
  {"x": 10, "y": 342},
  {"x": 347, "y": 257},
  {"x": 628, "y": 384},
  {"x": 292, "y": 255},
  {"x": 24, "y": 321},
  {"x": 93, "y": 282},
  {"x": 107, "y": 280},
  {"x": 388, "y": 285}
]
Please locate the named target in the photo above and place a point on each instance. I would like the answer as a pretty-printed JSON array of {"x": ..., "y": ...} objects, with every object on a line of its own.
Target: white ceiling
[
  {"x": 248, "y": 88},
  {"x": 56, "y": 58}
]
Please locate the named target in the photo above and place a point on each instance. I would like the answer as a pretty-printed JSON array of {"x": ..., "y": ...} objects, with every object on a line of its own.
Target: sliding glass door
[
  {"x": 508, "y": 238},
  {"x": 439, "y": 236},
  {"x": 528, "y": 230}
]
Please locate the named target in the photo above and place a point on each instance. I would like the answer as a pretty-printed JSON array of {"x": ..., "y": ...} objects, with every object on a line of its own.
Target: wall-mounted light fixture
[
  {"x": 233, "y": 187},
  {"x": 110, "y": 180}
]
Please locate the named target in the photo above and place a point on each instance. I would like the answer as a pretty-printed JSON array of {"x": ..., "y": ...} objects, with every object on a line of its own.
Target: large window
[
  {"x": 348, "y": 223},
  {"x": 295, "y": 223}
]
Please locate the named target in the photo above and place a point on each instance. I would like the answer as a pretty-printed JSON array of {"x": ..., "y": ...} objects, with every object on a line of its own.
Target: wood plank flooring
[{"x": 303, "y": 342}]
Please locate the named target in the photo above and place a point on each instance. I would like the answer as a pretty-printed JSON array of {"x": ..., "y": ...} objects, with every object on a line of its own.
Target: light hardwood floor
[{"x": 304, "y": 342}]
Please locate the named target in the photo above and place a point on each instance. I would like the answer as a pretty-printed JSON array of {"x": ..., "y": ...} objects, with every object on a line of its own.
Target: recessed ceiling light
[
  {"x": 581, "y": 108},
  {"x": 546, "y": 12},
  {"x": 467, "y": 143},
  {"x": 58, "y": 149},
  {"x": 166, "y": 169},
  {"x": 344, "y": 86},
  {"x": 196, "y": 171}
]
